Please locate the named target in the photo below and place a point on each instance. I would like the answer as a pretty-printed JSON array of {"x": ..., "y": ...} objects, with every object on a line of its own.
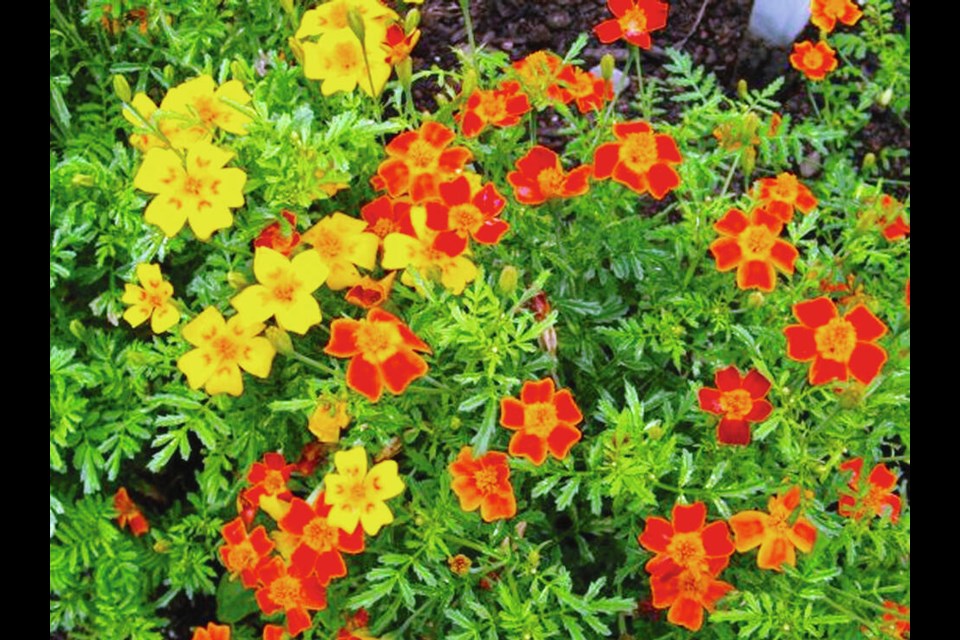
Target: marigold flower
[
  {"x": 773, "y": 533},
  {"x": 483, "y": 482},
  {"x": 339, "y": 60},
  {"x": 343, "y": 245},
  {"x": 418, "y": 161},
  {"x": 151, "y": 300},
  {"x": 128, "y": 513},
  {"x": 243, "y": 553},
  {"x": 539, "y": 74},
  {"x": 272, "y": 235},
  {"x": 359, "y": 496},
  {"x": 369, "y": 293},
  {"x": 332, "y": 16},
  {"x": 897, "y": 622},
  {"x": 295, "y": 595},
  {"x": 633, "y": 21},
  {"x": 540, "y": 177},
  {"x": 317, "y": 544},
  {"x": 208, "y": 105},
  {"x": 212, "y": 632},
  {"x": 398, "y": 44},
  {"x": 826, "y": 13},
  {"x": 328, "y": 419},
  {"x": 501, "y": 107},
  {"x": 753, "y": 246},
  {"x": 386, "y": 215},
  {"x": 872, "y": 499},
  {"x": 839, "y": 347},
  {"x": 889, "y": 217},
  {"x": 687, "y": 594},
  {"x": 202, "y": 193},
  {"x": 543, "y": 419},
  {"x": 223, "y": 348},
  {"x": 739, "y": 400},
  {"x": 460, "y": 564},
  {"x": 813, "y": 60},
  {"x": 588, "y": 90},
  {"x": 460, "y": 213},
  {"x": 780, "y": 195},
  {"x": 686, "y": 543},
  {"x": 143, "y": 110},
  {"x": 269, "y": 478},
  {"x": 640, "y": 159},
  {"x": 382, "y": 350}
]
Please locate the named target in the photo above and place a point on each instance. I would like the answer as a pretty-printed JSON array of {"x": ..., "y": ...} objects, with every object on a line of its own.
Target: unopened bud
[
  {"x": 742, "y": 89},
  {"x": 412, "y": 21},
  {"x": 161, "y": 546},
  {"x": 869, "y": 161},
  {"x": 78, "y": 330},
  {"x": 81, "y": 180},
  {"x": 121, "y": 87},
  {"x": 280, "y": 340},
  {"x": 355, "y": 20},
  {"x": 755, "y": 300},
  {"x": 885, "y": 97},
  {"x": 239, "y": 71},
  {"x": 287, "y": 5},
  {"x": 534, "y": 558},
  {"x": 469, "y": 82},
  {"x": 749, "y": 160},
  {"x": 655, "y": 432},
  {"x": 405, "y": 73},
  {"x": 296, "y": 48},
  {"x": 236, "y": 279},
  {"x": 509, "y": 277},
  {"x": 168, "y": 74},
  {"x": 607, "y": 65}
]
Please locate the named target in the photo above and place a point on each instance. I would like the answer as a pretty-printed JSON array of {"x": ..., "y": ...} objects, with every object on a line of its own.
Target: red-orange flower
[
  {"x": 398, "y": 44},
  {"x": 687, "y": 593},
  {"x": 687, "y": 542},
  {"x": 875, "y": 498},
  {"x": 897, "y": 622},
  {"x": 382, "y": 351},
  {"x": 296, "y": 596},
  {"x": 460, "y": 214},
  {"x": 212, "y": 632},
  {"x": 242, "y": 553},
  {"x": 538, "y": 73},
  {"x": 269, "y": 478},
  {"x": 417, "y": 161},
  {"x": 813, "y": 60},
  {"x": 754, "y": 247},
  {"x": 544, "y": 420},
  {"x": 633, "y": 21},
  {"x": 839, "y": 347},
  {"x": 273, "y": 237},
  {"x": 640, "y": 159},
  {"x": 129, "y": 513},
  {"x": 826, "y": 13},
  {"x": 889, "y": 217},
  {"x": 501, "y": 107},
  {"x": 483, "y": 482},
  {"x": 589, "y": 91},
  {"x": 773, "y": 532},
  {"x": 317, "y": 544},
  {"x": 386, "y": 215},
  {"x": 369, "y": 293},
  {"x": 739, "y": 399},
  {"x": 540, "y": 177},
  {"x": 780, "y": 195}
]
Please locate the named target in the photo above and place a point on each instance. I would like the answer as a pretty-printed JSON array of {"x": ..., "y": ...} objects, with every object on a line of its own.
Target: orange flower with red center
[
  {"x": 386, "y": 215},
  {"x": 538, "y": 73},
  {"x": 543, "y": 420},
  {"x": 875, "y": 498},
  {"x": 269, "y": 478},
  {"x": 813, "y": 60},
  {"x": 687, "y": 594},
  {"x": 590, "y": 92},
  {"x": 382, "y": 350},
  {"x": 687, "y": 542},
  {"x": 739, "y": 400},
  {"x": 540, "y": 177},
  {"x": 780, "y": 195},
  {"x": 839, "y": 347},
  {"x": 753, "y": 246},
  {"x": 897, "y": 622},
  {"x": 773, "y": 532},
  {"x": 129, "y": 513},
  {"x": 419, "y": 160},
  {"x": 398, "y": 44},
  {"x": 501, "y": 107},
  {"x": 633, "y": 21},
  {"x": 242, "y": 553},
  {"x": 317, "y": 544},
  {"x": 369, "y": 293},
  {"x": 483, "y": 482},
  {"x": 826, "y": 13},
  {"x": 460, "y": 214},
  {"x": 274, "y": 237},
  {"x": 640, "y": 159},
  {"x": 212, "y": 632},
  {"x": 296, "y": 596}
]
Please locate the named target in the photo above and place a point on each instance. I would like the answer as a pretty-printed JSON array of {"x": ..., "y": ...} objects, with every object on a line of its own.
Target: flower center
[
  {"x": 492, "y": 106},
  {"x": 357, "y": 492},
  {"x": 550, "y": 182},
  {"x": 384, "y": 227},
  {"x": 836, "y": 340},
  {"x": 274, "y": 483},
  {"x": 338, "y": 15},
  {"x": 756, "y": 242},
  {"x": 785, "y": 189},
  {"x": 206, "y": 110},
  {"x": 540, "y": 419},
  {"x": 226, "y": 348},
  {"x": 634, "y": 21},
  {"x": 192, "y": 185},
  {"x": 421, "y": 155},
  {"x": 465, "y": 217},
  {"x": 329, "y": 246},
  {"x": 639, "y": 152},
  {"x": 346, "y": 56},
  {"x": 686, "y": 549},
  {"x": 320, "y": 536},
  {"x": 736, "y": 404},
  {"x": 377, "y": 341},
  {"x": 242, "y": 556},
  {"x": 486, "y": 480},
  {"x": 284, "y": 286},
  {"x": 813, "y": 59},
  {"x": 689, "y": 582},
  {"x": 285, "y": 591}
]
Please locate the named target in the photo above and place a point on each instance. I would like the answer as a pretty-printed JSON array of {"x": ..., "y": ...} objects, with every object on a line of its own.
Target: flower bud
[
  {"x": 884, "y": 99},
  {"x": 355, "y": 21},
  {"x": 405, "y": 73},
  {"x": 412, "y": 21},
  {"x": 297, "y": 48},
  {"x": 509, "y": 277},
  {"x": 607, "y": 66},
  {"x": 78, "y": 330},
  {"x": 869, "y": 161},
  {"x": 280, "y": 340},
  {"x": 287, "y": 6},
  {"x": 168, "y": 74},
  {"x": 161, "y": 546},
  {"x": 81, "y": 180},
  {"x": 742, "y": 89},
  {"x": 755, "y": 300},
  {"x": 236, "y": 279},
  {"x": 121, "y": 87}
]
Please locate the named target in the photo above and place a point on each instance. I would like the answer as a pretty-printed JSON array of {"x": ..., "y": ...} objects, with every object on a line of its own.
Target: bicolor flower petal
[
  {"x": 739, "y": 400},
  {"x": 544, "y": 421},
  {"x": 640, "y": 159},
  {"x": 777, "y": 533},
  {"x": 484, "y": 483},
  {"x": 357, "y": 495}
]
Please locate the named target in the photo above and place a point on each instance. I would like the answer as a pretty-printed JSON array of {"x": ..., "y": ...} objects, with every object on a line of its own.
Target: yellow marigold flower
[
  {"x": 223, "y": 348},
  {"x": 151, "y": 300},
  {"x": 147, "y": 109},
  {"x": 332, "y": 16},
  {"x": 338, "y": 60},
  {"x": 202, "y": 102},
  {"x": 284, "y": 291},
  {"x": 342, "y": 243},
  {"x": 202, "y": 192},
  {"x": 357, "y": 496},
  {"x": 328, "y": 419}
]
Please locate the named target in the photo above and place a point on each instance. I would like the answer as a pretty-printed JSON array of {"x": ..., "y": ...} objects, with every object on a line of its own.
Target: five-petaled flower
[
  {"x": 342, "y": 62},
  {"x": 639, "y": 159},
  {"x": 212, "y": 632},
  {"x": 418, "y": 161},
  {"x": 483, "y": 482},
  {"x": 317, "y": 544},
  {"x": 540, "y": 177},
  {"x": 243, "y": 552},
  {"x": 269, "y": 479},
  {"x": 328, "y": 419},
  {"x": 739, "y": 400},
  {"x": 754, "y": 247},
  {"x": 826, "y": 13},
  {"x": 343, "y": 244},
  {"x": 295, "y": 595},
  {"x": 838, "y": 346},
  {"x": 686, "y": 542},
  {"x": 813, "y": 60},
  {"x": 129, "y": 513},
  {"x": 207, "y": 105},
  {"x": 357, "y": 495},
  {"x": 589, "y": 91},
  {"x": 386, "y": 215},
  {"x": 780, "y": 195},
  {"x": 274, "y": 238},
  {"x": 397, "y": 44},
  {"x": 460, "y": 213},
  {"x": 633, "y": 21},
  {"x": 876, "y": 498},
  {"x": 151, "y": 300},
  {"x": 687, "y": 594},
  {"x": 538, "y": 73},
  {"x": 544, "y": 420},
  {"x": 501, "y": 107},
  {"x": 773, "y": 532},
  {"x": 382, "y": 351}
]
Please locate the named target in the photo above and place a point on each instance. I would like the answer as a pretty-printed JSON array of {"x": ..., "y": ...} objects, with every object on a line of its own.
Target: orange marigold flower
[
  {"x": 387, "y": 215},
  {"x": 889, "y": 217},
  {"x": 633, "y": 21},
  {"x": 382, "y": 350},
  {"x": 773, "y": 531},
  {"x": 687, "y": 593},
  {"x": 212, "y": 632},
  {"x": 243, "y": 553},
  {"x": 483, "y": 482},
  {"x": 540, "y": 177},
  {"x": 752, "y": 246},
  {"x": 369, "y": 293},
  {"x": 317, "y": 544},
  {"x": 826, "y": 13},
  {"x": 640, "y": 159},
  {"x": 839, "y": 347},
  {"x": 813, "y": 60},
  {"x": 897, "y": 622},
  {"x": 539, "y": 74},
  {"x": 686, "y": 543},
  {"x": 543, "y": 420},
  {"x": 872, "y": 499},
  {"x": 589, "y": 91},
  {"x": 417, "y": 161},
  {"x": 398, "y": 44},
  {"x": 460, "y": 214},
  {"x": 460, "y": 564},
  {"x": 269, "y": 478},
  {"x": 328, "y": 419},
  {"x": 129, "y": 513},
  {"x": 295, "y": 595},
  {"x": 739, "y": 399},
  {"x": 501, "y": 107},
  {"x": 780, "y": 195},
  {"x": 273, "y": 236}
]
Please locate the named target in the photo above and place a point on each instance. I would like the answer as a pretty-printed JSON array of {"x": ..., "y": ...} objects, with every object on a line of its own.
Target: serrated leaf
[{"x": 566, "y": 495}]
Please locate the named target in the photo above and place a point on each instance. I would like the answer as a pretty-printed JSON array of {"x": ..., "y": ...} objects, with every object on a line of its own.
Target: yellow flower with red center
[
  {"x": 151, "y": 300},
  {"x": 343, "y": 244},
  {"x": 633, "y": 21},
  {"x": 753, "y": 246},
  {"x": 813, "y": 60},
  {"x": 501, "y": 107},
  {"x": 223, "y": 348},
  {"x": 242, "y": 553},
  {"x": 483, "y": 483},
  {"x": 199, "y": 102},
  {"x": 339, "y": 60},
  {"x": 128, "y": 513},
  {"x": 315, "y": 542},
  {"x": 202, "y": 192},
  {"x": 333, "y": 16},
  {"x": 826, "y": 13},
  {"x": 295, "y": 595},
  {"x": 777, "y": 533},
  {"x": 544, "y": 420},
  {"x": 357, "y": 495},
  {"x": 212, "y": 632},
  {"x": 540, "y": 177},
  {"x": 463, "y": 212},
  {"x": 328, "y": 419},
  {"x": 780, "y": 195},
  {"x": 418, "y": 161},
  {"x": 589, "y": 91},
  {"x": 639, "y": 159},
  {"x": 285, "y": 290}
]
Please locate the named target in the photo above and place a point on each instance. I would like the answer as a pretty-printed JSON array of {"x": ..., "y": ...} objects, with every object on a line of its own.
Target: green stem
[
  {"x": 851, "y": 614},
  {"x": 464, "y": 542},
  {"x": 313, "y": 363},
  {"x": 468, "y": 23},
  {"x": 635, "y": 52}
]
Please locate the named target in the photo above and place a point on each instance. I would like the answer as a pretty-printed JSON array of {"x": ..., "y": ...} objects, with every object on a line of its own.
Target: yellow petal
[
  {"x": 352, "y": 463},
  {"x": 269, "y": 264},
  {"x": 383, "y": 482},
  {"x": 400, "y": 251},
  {"x": 342, "y": 275},
  {"x": 363, "y": 251},
  {"x": 226, "y": 379},
  {"x": 137, "y": 314},
  {"x": 132, "y": 294},
  {"x": 206, "y": 326},
  {"x": 456, "y": 276},
  {"x": 142, "y": 105},
  {"x": 230, "y": 190},
  {"x": 161, "y": 171},
  {"x": 257, "y": 357},
  {"x": 310, "y": 269},
  {"x": 344, "y": 516},
  {"x": 233, "y": 120},
  {"x": 335, "y": 487},
  {"x": 207, "y": 220},
  {"x": 205, "y": 157},
  {"x": 374, "y": 517},
  {"x": 164, "y": 318},
  {"x": 167, "y": 212},
  {"x": 300, "y": 315},
  {"x": 149, "y": 275},
  {"x": 253, "y": 304},
  {"x": 197, "y": 366}
]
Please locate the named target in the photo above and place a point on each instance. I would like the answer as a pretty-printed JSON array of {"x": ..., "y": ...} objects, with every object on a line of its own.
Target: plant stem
[
  {"x": 635, "y": 53},
  {"x": 313, "y": 363},
  {"x": 468, "y": 23}
]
